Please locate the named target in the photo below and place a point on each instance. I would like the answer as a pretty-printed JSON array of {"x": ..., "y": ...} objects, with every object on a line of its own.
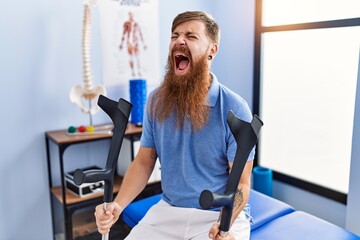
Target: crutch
[
  {"x": 246, "y": 135},
  {"x": 119, "y": 113}
]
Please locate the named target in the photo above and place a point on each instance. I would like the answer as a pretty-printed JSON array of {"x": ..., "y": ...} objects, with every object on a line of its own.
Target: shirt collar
[{"x": 213, "y": 91}]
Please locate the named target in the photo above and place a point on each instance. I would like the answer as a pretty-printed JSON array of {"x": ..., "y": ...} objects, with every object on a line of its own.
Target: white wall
[
  {"x": 40, "y": 61},
  {"x": 353, "y": 206},
  {"x": 314, "y": 204},
  {"x": 236, "y": 55}
]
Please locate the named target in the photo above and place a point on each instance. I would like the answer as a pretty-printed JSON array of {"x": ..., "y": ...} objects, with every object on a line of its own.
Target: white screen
[
  {"x": 307, "y": 99},
  {"x": 281, "y": 12}
]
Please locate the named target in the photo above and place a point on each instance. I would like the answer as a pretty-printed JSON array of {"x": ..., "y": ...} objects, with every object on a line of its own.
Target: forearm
[
  {"x": 240, "y": 200},
  {"x": 135, "y": 179},
  {"x": 243, "y": 191}
]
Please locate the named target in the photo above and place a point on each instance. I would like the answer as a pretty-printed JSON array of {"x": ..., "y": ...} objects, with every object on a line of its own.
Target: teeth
[{"x": 179, "y": 55}]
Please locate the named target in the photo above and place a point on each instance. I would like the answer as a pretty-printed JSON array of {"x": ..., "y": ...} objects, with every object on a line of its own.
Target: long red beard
[{"x": 184, "y": 95}]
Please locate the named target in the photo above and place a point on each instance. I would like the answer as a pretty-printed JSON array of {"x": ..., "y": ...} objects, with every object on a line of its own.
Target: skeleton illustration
[
  {"x": 88, "y": 93},
  {"x": 133, "y": 37}
]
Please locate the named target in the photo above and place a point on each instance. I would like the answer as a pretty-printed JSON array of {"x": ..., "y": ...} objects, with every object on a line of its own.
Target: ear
[{"x": 214, "y": 49}]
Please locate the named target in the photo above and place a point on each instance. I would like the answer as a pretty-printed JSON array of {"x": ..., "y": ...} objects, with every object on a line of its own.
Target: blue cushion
[
  {"x": 301, "y": 226},
  {"x": 264, "y": 209},
  {"x": 135, "y": 211}
]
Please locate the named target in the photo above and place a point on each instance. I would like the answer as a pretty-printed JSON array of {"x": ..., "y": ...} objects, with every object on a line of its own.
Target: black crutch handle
[
  {"x": 119, "y": 113},
  {"x": 246, "y": 135}
]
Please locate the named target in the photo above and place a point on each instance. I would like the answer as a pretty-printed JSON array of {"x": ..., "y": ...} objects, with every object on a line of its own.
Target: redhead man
[{"x": 185, "y": 127}]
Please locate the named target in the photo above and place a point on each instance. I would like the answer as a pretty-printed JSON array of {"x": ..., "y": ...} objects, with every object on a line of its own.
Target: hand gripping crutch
[
  {"x": 246, "y": 135},
  {"x": 119, "y": 113}
]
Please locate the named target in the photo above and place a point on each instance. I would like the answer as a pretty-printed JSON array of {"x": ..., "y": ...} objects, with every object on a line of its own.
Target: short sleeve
[
  {"x": 147, "y": 136},
  {"x": 243, "y": 112}
]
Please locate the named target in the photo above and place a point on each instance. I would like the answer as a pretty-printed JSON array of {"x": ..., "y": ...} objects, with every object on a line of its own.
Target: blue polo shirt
[{"x": 192, "y": 161}]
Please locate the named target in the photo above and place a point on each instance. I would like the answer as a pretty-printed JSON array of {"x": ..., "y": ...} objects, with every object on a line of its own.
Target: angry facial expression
[{"x": 189, "y": 43}]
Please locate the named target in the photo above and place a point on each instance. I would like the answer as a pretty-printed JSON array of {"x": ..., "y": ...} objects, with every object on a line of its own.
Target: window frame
[{"x": 259, "y": 30}]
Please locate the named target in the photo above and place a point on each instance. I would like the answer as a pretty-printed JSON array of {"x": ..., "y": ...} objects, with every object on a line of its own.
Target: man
[{"x": 185, "y": 127}]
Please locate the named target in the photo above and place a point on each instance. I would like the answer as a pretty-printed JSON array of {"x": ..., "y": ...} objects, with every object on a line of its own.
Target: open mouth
[{"x": 181, "y": 63}]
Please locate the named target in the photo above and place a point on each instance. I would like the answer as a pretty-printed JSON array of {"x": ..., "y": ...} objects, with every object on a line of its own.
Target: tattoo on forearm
[{"x": 239, "y": 199}]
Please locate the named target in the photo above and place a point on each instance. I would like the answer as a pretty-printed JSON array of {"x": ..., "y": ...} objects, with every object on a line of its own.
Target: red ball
[{"x": 82, "y": 128}]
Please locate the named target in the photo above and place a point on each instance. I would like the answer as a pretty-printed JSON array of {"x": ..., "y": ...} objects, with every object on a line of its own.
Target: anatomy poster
[{"x": 129, "y": 41}]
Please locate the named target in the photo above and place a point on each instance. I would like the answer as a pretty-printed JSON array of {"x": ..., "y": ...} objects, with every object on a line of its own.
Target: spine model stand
[{"x": 87, "y": 93}]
